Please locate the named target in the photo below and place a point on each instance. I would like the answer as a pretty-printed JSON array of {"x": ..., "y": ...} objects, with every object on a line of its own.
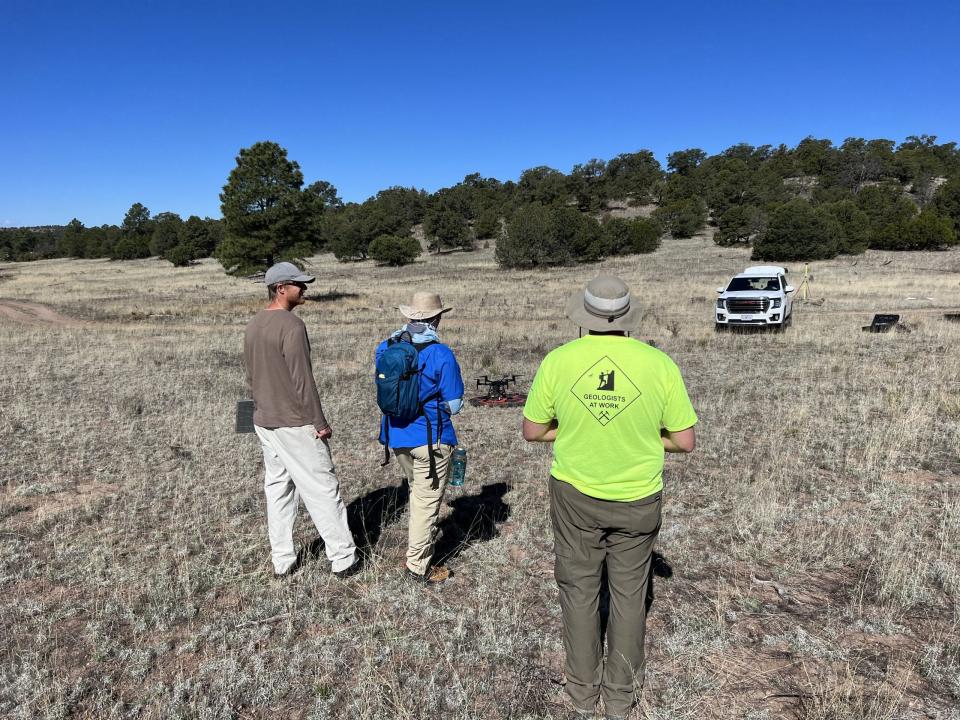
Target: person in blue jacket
[{"x": 441, "y": 392}]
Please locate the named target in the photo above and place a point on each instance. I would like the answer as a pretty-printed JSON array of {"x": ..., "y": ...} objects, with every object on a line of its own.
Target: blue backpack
[
  {"x": 398, "y": 387},
  {"x": 398, "y": 379}
]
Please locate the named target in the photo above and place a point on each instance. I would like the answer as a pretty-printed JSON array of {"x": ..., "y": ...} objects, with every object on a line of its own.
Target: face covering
[{"x": 419, "y": 332}]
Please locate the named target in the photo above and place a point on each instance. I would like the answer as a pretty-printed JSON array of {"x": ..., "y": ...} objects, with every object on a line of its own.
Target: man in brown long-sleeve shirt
[{"x": 292, "y": 429}]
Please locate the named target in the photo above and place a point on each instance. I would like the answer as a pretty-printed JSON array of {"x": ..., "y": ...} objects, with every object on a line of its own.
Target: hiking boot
[
  {"x": 575, "y": 712},
  {"x": 294, "y": 567},
  {"x": 613, "y": 716},
  {"x": 436, "y": 575},
  {"x": 349, "y": 571},
  {"x": 284, "y": 578}
]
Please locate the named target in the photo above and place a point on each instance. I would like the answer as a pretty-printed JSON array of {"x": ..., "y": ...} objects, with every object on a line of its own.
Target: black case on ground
[{"x": 245, "y": 416}]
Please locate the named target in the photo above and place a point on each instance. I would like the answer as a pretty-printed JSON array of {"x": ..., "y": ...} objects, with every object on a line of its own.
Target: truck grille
[{"x": 747, "y": 306}]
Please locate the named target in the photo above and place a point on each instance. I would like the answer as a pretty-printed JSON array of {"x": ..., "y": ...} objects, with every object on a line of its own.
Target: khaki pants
[
  {"x": 298, "y": 465},
  {"x": 426, "y": 494},
  {"x": 588, "y": 534}
]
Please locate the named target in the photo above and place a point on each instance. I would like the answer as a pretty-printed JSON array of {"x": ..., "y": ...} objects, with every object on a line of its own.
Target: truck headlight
[
  {"x": 776, "y": 302},
  {"x": 721, "y": 304}
]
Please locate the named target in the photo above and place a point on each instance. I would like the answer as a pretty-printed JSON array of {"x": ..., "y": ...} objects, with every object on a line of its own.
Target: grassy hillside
[{"x": 814, "y": 536}]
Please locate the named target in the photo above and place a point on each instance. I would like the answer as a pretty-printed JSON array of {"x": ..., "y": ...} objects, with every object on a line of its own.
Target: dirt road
[{"x": 30, "y": 313}]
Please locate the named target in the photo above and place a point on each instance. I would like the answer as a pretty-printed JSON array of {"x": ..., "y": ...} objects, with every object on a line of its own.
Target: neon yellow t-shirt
[{"x": 610, "y": 395}]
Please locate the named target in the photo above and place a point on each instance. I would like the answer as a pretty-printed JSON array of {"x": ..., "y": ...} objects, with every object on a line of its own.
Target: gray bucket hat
[
  {"x": 604, "y": 305},
  {"x": 285, "y": 272}
]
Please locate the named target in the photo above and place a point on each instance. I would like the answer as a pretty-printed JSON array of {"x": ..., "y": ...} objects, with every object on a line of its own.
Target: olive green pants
[
  {"x": 588, "y": 534},
  {"x": 426, "y": 495}
]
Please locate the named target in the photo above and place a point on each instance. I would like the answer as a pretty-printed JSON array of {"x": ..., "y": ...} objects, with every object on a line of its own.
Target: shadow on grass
[
  {"x": 370, "y": 514},
  {"x": 367, "y": 516},
  {"x": 659, "y": 567},
  {"x": 330, "y": 296},
  {"x": 474, "y": 519},
  {"x": 751, "y": 329}
]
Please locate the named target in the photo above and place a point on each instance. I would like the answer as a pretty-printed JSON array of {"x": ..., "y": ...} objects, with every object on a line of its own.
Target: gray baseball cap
[{"x": 286, "y": 272}]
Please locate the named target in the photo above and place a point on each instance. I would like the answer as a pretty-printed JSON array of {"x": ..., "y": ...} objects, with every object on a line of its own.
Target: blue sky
[{"x": 107, "y": 104}]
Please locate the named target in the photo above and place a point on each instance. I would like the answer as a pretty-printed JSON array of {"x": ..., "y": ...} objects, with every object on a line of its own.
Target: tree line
[
  {"x": 812, "y": 201},
  {"x": 546, "y": 217},
  {"x": 140, "y": 235}
]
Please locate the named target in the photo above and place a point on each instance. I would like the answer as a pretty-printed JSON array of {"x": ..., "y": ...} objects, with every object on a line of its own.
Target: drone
[{"x": 498, "y": 394}]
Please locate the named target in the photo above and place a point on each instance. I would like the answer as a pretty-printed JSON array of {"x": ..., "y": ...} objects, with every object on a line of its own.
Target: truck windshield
[{"x": 770, "y": 284}]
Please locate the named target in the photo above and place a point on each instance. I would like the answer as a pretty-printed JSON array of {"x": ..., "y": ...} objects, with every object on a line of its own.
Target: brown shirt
[{"x": 276, "y": 352}]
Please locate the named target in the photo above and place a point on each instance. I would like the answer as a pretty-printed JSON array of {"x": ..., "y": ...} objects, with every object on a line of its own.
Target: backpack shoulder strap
[
  {"x": 405, "y": 336},
  {"x": 431, "y": 455},
  {"x": 386, "y": 440}
]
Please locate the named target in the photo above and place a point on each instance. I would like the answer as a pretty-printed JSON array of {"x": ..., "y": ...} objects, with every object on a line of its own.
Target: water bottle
[{"x": 459, "y": 470}]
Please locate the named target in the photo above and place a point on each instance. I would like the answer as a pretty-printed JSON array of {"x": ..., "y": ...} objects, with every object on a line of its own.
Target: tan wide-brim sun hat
[
  {"x": 604, "y": 305},
  {"x": 424, "y": 305}
]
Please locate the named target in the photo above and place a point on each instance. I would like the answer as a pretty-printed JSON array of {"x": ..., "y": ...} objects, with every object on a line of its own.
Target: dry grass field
[{"x": 814, "y": 535}]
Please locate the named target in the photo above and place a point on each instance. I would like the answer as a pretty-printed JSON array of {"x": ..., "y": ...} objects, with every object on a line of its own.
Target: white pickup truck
[{"x": 759, "y": 296}]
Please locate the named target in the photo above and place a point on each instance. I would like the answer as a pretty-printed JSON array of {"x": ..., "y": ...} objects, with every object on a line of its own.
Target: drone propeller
[{"x": 497, "y": 393}]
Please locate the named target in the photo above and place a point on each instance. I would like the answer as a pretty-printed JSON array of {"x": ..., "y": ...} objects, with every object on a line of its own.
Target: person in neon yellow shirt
[{"x": 612, "y": 406}]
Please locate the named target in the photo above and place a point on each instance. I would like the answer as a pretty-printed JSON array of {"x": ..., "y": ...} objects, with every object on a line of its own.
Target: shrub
[
  {"x": 627, "y": 237},
  {"x": 737, "y": 225},
  {"x": 579, "y": 233},
  {"x": 946, "y": 202},
  {"x": 926, "y": 231},
  {"x": 797, "y": 231},
  {"x": 530, "y": 240},
  {"x": 349, "y": 232},
  {"x": 446, "y": 228},
  {"x": 487, "y": 224},
  {"x": 682, "y": 218},
  {"x": 394, "y": 249},
  {"x": 347, "y": 248},
  {"x": 932, "y": 231},
  {"x": 853, "y": 225},
  {"x": 181, "y": 255},
  {"x": 830, "y": 194},
  {"x": 885, "y": 206},
  {"x": 200, "y": 236},
  {"x": 166, "y": 233},
  {"x": 243, "y": 256},
  {"x": 539, "y": 235},
  {"x": 130, "y": 248}
]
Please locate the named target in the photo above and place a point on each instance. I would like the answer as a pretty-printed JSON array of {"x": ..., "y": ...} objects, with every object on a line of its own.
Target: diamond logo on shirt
[{"x": 605, "y": 390}]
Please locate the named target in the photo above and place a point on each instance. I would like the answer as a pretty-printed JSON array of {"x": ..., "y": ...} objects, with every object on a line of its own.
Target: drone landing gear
[{"x": 497, "y": 394}]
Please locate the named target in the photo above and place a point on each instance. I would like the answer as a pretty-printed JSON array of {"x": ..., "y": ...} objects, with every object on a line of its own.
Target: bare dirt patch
[
  {"x": 30, "y": 313},
  {"x": 623, "y": 209},
  {"x": 30, "y": 507}
]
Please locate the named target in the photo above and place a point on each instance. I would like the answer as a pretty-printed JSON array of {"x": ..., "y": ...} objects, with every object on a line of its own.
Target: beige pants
[
  {"x": 426, "y": 494},
  {"x": 298, "y": 465}
]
